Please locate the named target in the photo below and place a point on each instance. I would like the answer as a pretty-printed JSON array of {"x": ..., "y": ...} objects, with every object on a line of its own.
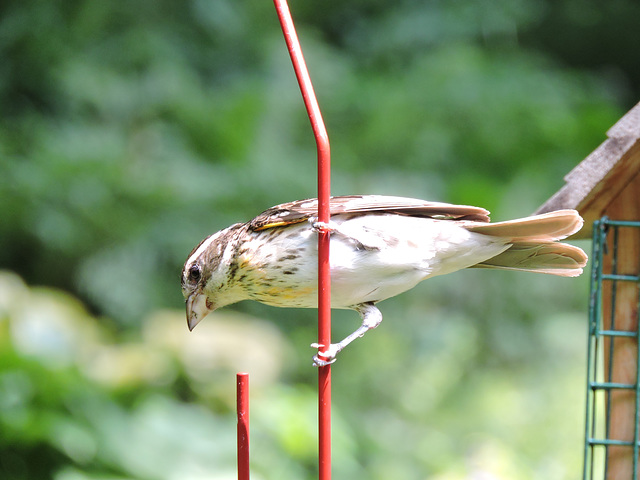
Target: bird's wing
[{"x": 301, "y": 210}]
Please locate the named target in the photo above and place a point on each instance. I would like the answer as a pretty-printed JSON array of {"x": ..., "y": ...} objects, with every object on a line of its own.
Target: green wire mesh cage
[{"x": 612, "y": 439}]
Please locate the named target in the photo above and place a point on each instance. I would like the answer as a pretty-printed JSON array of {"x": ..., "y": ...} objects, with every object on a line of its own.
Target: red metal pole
[
  {"x": 242, "y": 399},
  {"x": 324, "y": 195}
]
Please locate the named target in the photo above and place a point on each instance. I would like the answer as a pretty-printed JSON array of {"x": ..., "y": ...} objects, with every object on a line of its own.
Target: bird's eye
[{"x": 194, "y": 273}]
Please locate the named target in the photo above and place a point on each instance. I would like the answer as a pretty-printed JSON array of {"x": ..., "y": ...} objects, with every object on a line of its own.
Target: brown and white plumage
[{"x": 380, "y": 246}]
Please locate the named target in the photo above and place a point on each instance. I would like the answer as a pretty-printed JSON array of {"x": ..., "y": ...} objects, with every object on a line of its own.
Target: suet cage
[{"x": 612, "y": 436}]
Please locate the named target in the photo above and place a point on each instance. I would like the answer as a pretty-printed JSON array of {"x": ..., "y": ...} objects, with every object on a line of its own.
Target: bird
[{"x": 380, "y": 246}]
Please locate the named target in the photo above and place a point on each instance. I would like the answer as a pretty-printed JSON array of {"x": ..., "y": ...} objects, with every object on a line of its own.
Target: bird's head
[{"x": 206, "y": 277}]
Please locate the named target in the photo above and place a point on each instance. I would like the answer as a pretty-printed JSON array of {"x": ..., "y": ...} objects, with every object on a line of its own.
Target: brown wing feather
[{"x": 301, "y": 210}]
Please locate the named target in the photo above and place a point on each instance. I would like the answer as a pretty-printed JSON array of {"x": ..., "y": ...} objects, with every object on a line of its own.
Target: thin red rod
[
  {"x": 242, "y": 399},
  {"x": 324, "y": 195}
]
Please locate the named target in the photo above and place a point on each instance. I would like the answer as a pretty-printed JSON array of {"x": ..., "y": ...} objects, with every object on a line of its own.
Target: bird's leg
[{"x": 371, "y": 318}]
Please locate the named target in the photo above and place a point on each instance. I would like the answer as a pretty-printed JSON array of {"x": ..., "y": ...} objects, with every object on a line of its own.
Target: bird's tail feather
[
  {"x": 547, "y": 227},
  {"x": 553, "y": 258},
  {"x": 534, "y": 244}
]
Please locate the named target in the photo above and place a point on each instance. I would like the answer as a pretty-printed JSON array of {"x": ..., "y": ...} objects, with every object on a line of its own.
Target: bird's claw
[
  {"x": 319, "y": 227},
  {"x": 318, "y": 362},
  {"x": 322, "y": 359}
]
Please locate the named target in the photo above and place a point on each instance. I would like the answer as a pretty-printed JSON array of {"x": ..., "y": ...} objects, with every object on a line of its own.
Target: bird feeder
[{"x": 605, "y": 189}]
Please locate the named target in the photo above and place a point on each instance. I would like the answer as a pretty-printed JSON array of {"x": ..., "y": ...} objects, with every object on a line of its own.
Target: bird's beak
[{"x": 197, "y": 309}]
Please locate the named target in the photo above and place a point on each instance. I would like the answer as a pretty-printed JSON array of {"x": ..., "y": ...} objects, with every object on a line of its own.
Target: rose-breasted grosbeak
[{"x": 380, "y": 246}]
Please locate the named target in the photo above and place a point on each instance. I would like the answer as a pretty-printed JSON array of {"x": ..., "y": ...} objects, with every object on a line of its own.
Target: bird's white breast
[{"x": 373, "y": 257}]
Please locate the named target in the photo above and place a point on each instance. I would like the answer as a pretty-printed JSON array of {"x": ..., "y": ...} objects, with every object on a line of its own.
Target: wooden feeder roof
[{"x": 607, "y": 182}]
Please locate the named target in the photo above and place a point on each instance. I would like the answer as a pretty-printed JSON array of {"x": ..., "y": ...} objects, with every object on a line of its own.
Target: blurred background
[{"x": 131, "y": 130}]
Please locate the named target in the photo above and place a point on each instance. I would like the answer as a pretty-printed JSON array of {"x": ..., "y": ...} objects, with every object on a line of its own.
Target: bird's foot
[
  {"x": 322, "y": 359},
  {"x": 319, "y": 227}
]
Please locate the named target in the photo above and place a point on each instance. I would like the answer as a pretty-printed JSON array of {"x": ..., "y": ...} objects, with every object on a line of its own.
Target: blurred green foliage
[{"x": 130, "y": 130}]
